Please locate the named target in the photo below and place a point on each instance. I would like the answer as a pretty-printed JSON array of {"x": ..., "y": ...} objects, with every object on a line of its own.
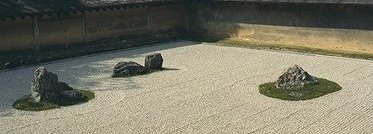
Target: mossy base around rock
[
  {"x": 27, "y": 103},
  {"x": 309, "y": 91}
]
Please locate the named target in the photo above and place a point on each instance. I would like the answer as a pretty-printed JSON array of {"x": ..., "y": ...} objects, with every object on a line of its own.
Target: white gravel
[{"x": 212, "y": 89}]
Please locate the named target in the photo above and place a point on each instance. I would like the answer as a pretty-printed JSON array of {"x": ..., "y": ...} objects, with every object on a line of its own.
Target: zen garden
[{"x": 186, "y": 66}]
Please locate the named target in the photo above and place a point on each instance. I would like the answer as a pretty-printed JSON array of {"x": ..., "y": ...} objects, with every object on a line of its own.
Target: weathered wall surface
[
  {"x": 16, "y": 34},
  {"x": 317, "y": 26},
  {"x": 89, "y": 26},
  {"x": 170, "y": 17},
  {"x": 115, "y": 23},
  {"x": 135, "y": 21},
  {"x": 62, "y": 30},
  {"x": 348, "y": 27}
]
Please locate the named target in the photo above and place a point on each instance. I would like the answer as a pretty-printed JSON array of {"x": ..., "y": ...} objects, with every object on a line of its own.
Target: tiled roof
[
  {"x": 364, "y": 2},
  {"x": 95, "y": 3},
  {"x": 11, "y": 8}
]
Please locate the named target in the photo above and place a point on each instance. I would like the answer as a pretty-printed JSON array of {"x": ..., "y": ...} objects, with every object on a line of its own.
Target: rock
[
  {"x": 154, "y": 61},
  {"x": 72, "y": 94},
  {"x": 61, "y": 86},
  {"x": 43, "y": 85},
  {"x": 125, "y": 69},
  {"x": 294, "y": 77}
]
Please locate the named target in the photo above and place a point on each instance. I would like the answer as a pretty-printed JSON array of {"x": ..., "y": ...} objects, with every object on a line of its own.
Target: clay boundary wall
[
  {"x": 158, "y": 22},
  {"x": 321, "y": 25},
  {"x": 348, "y": 27}
]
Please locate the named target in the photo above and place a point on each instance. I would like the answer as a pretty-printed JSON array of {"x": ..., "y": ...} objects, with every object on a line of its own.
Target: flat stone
[
  {"x": 125, "y": 69},
  {"x": 72, "y": 94},
  {"x": 154, "y": 61}
]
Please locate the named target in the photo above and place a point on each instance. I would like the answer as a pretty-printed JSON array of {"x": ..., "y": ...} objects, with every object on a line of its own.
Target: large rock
[
  {"x": 294, "y": 77},
  {"x": 154, "y": 61},
  {"x": 45, "y": 87},
  {"x": 125, "y": 69}
]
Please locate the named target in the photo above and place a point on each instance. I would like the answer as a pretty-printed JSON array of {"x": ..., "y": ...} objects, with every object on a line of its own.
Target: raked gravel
[{"x": 208, "y": 89}]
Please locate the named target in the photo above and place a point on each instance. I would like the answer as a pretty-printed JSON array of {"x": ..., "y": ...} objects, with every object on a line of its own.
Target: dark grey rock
[
  {"x": 154, "y": 61},
  {"x": 72, "y": 94},
  {"x": 294, "y": 77},
  {"x": 125, "y": 69},
  {"x": 43, "y": 85},
  {"x": 61, "y": 86}
]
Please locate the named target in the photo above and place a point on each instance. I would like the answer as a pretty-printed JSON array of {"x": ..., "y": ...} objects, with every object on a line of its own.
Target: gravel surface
[{"x": 207, "y": 89}]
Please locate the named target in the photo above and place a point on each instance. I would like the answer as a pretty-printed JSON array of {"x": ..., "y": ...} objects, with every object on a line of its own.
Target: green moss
[
  {"x": 26, "y": 103},
  {"x": 255, "y": 45},
  {"x": 309, "y": 91}
]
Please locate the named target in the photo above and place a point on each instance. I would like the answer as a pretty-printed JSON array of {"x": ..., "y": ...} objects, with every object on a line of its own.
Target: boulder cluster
[
  {"x": 130, "y": 68},
  {"x": 294, "y": 77},
  {"x": 45, "y": 87}
]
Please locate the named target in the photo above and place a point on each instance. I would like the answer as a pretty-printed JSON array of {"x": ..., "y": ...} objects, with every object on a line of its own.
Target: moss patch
[
  {"x": 26, "y": 102},
  {"x": 309, "y": 91}
]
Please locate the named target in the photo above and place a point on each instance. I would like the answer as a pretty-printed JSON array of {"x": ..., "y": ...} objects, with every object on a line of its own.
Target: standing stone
[
  {"x": 43, "y": 85},
  {"x": 125, "y": 69},
  {"x": 154, "y": 61},
  {"x": 294, "y": 77}
]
